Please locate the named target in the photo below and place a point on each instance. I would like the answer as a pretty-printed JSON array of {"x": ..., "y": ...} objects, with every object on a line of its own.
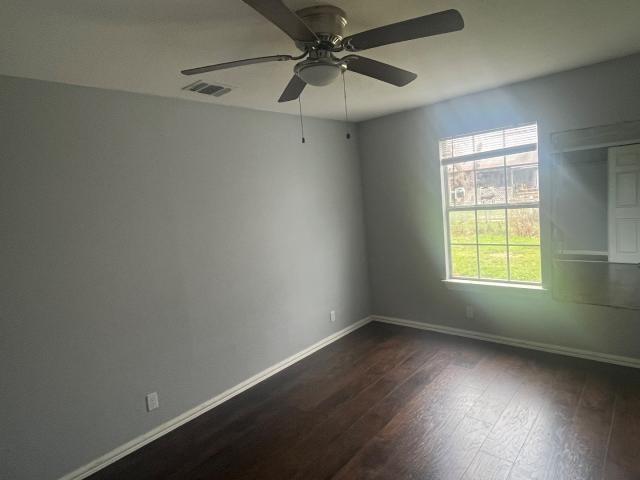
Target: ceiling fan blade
[
  {"x": 277, "y": 13},
  {"x": 378, "y": 70},
  {"x": 237, "y": 63},
  {"x": 293, "y": 89},
  {"x": 434, "y": 24}
]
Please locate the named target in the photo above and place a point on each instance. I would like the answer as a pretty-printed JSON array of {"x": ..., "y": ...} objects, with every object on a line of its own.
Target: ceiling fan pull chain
[
  {"x": 346, "y": 112},
  {"x": 301, "y": 123}
]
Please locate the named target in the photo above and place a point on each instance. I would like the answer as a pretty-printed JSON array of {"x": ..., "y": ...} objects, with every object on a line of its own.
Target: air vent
[{"x": 207, "y": 88}]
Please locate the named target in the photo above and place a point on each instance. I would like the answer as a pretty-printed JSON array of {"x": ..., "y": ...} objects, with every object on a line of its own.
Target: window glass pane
[
  {"x": 462, "y": 146},
  {"x": 462, "y": 227},
  {"x": 522, "y": 158},
  {"x": 525, "y": 264},
  {"x": 491, "y": 186},
  {"x": 485, "y": 142},
  {"x": 521, "y": 136},
  {"x": 493, "y": 263},
  {"x": 451, "y": 190},
  {"x": 523, "y": 184},
  {"x": 463, "y": 166},
  {"x": 464, "y": 187},
  {"x": 524, "y": 226},
  {"x": 446, "y": 147},
  {"x": 464, "y": 261},
  {"x": 492, "y": 227},
  {"x": 490, "y": 163}
]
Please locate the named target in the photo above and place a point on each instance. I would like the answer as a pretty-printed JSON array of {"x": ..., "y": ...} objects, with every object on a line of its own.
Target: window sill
[{"x": 482, "y": 286}]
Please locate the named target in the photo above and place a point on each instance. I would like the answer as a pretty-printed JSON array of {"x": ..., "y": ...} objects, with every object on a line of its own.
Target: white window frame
[{"x": 447, "y": 208}]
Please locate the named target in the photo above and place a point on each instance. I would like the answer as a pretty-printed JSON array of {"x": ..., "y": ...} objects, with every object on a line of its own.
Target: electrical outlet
[
  {"x": 152, "y": 401},
  {"x": 470, "y": 313},
  {"x": 332, "y": 315}
]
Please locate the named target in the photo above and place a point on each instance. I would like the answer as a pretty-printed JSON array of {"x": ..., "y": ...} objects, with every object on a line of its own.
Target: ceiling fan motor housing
[{"x": 326, "y": 21}]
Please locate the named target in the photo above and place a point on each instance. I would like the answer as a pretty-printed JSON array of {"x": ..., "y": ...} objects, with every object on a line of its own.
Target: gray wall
[
  {"x": 151, "y": 244},
  {"x": 403, "y": 213},
  {"x": 581, "y": 200}
]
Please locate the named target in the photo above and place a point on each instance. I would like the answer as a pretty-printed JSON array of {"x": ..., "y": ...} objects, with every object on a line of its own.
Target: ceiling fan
[{"x": 319, "y": 33}]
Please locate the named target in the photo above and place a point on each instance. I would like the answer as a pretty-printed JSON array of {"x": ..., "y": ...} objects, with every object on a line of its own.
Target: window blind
[{"x": 488, "y": 144}]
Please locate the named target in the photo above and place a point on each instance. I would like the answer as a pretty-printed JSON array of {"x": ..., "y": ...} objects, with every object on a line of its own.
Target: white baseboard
[
  {"x": 142, "y": 440},
  {"x": 545, "y": 347},
  {"x": 599, "y": 253}
]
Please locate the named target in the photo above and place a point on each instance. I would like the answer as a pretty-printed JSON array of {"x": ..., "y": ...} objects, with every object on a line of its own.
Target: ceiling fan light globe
[{"x": 319, "y": 74}]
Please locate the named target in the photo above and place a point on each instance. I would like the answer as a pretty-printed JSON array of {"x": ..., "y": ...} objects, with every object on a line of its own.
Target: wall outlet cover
[{"x": 152, "y": 401}]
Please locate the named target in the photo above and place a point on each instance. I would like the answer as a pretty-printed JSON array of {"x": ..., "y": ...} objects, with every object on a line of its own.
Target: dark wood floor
[{"x": 389, "y": 402}]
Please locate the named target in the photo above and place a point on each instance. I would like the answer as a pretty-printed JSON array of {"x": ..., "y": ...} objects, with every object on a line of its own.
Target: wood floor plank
[
  {"x": 583, "y": 452},
  {"x": 417, "y": 442},
  {"x": 623, "y": 455},
  {"x": 451, "y": 455},
  {"x": 335, "y": 455},
  {"x": 293, "y": 457},
  {"x": 502, "y": 388},
  {"x": 487, "y": 467},
  {"x": 337, "y": 412},
  {"x": 332, "y": 389},
  {"x": 510, "y": 432},
  {"x": 541, "y": 451},
  {"x": 443, "y": 440}
]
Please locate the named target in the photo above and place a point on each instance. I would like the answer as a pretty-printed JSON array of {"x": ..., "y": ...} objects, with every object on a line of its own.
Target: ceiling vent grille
[{"x": 209, "y": 89}]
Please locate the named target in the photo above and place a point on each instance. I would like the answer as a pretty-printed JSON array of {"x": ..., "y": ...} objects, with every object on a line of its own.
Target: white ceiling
[{"x": 140, "y": 46}]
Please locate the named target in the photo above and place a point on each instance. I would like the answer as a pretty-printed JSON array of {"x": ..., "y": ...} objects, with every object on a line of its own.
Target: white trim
[
  {"x": 602, "y": 136},
  {"x": 487, "y": 337},
  {"x": 485, "y": 286},
  {"x": 573, "y": 260},
  {"x": 166, "y": 427},
  {"x": 583, "y": 252}
]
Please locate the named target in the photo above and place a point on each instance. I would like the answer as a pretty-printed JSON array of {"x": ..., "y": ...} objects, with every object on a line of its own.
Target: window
[{"x": 492, "y": 205}]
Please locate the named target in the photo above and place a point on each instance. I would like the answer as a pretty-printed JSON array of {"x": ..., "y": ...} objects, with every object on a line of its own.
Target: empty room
[{"x": 313, "y": 240}]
